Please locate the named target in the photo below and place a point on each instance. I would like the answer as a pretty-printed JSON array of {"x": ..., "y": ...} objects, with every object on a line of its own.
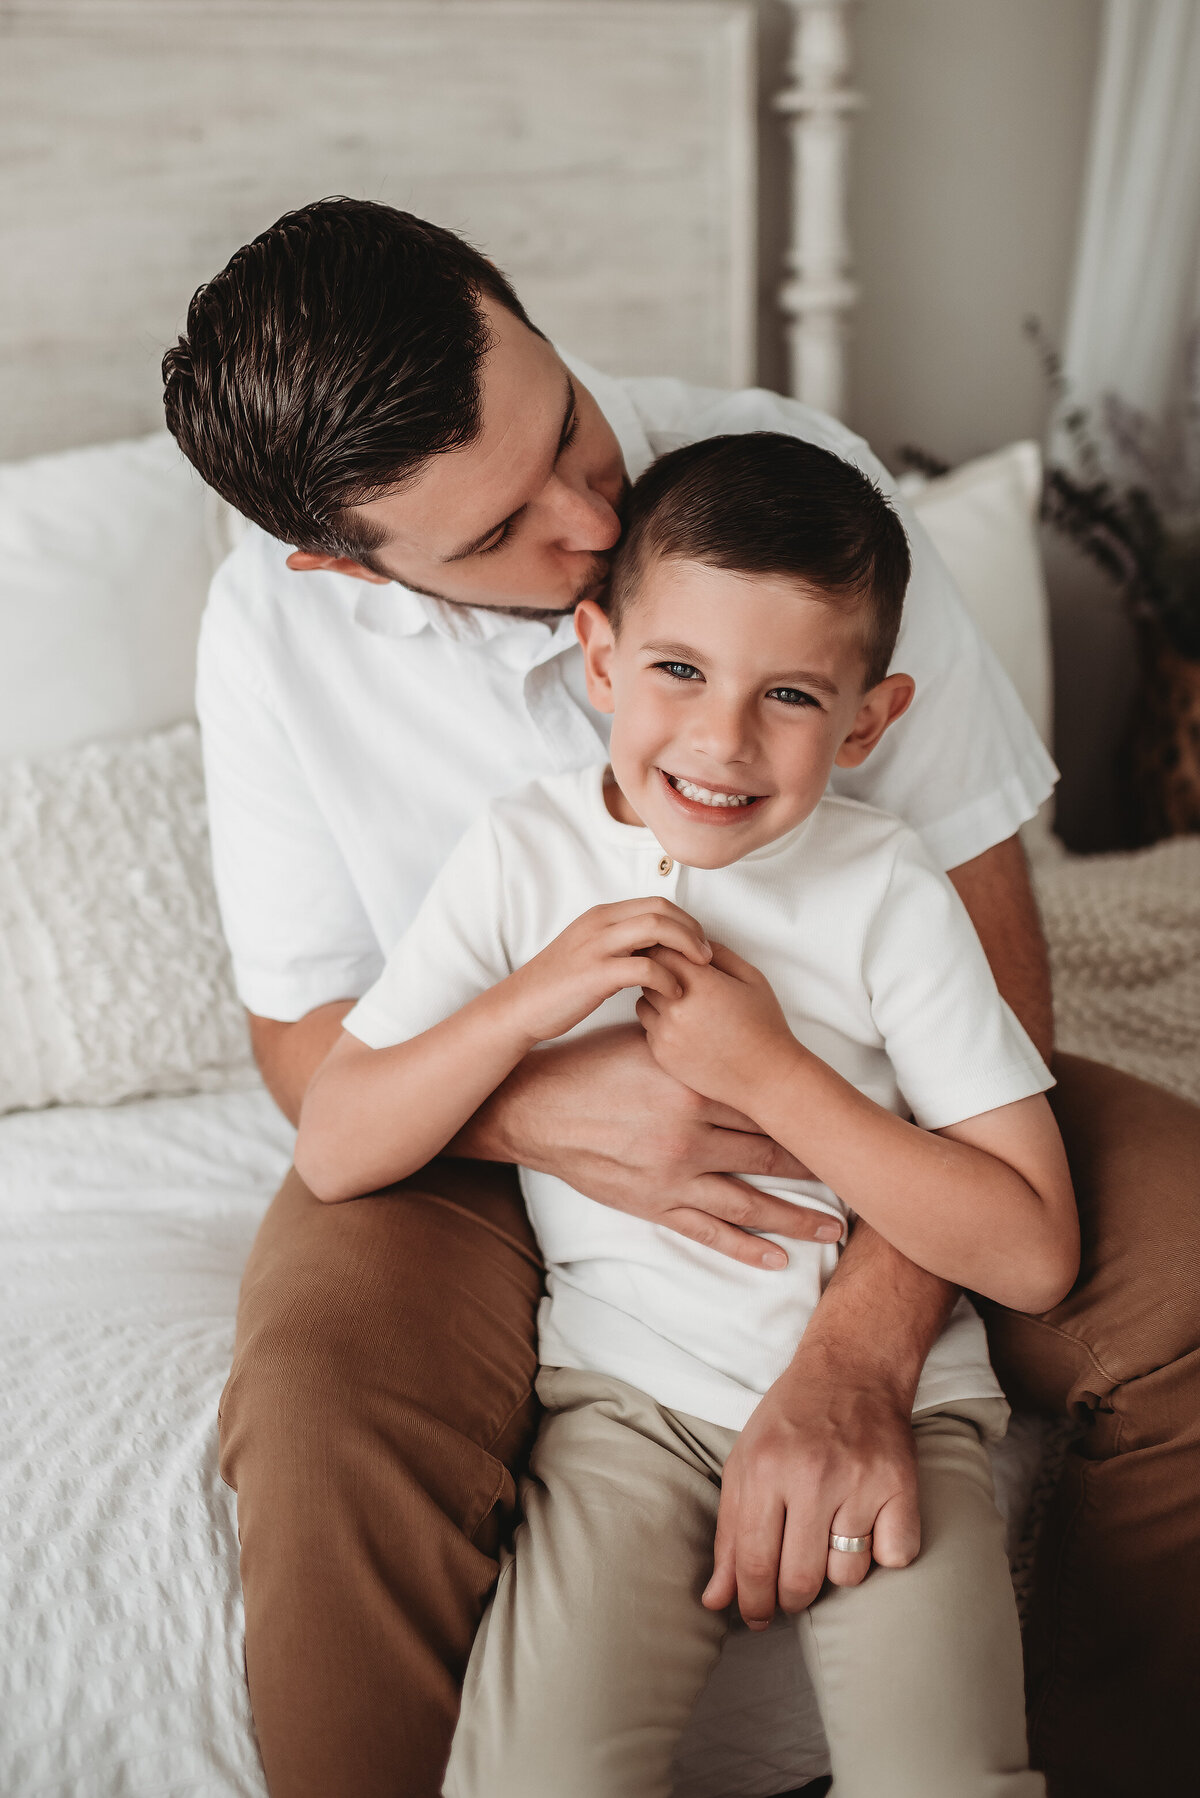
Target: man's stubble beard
[{"x": 592, "y": 588}]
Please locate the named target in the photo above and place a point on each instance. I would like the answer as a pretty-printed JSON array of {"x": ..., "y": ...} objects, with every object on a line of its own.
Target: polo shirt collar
[{"x": 396, "y": 611}]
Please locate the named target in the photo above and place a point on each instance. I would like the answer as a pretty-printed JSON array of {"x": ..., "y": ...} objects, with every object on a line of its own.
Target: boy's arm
[
  {"x": 373, "y": 1116},
  {"x": 986, "y": 1203},
  {"x": 381, "y": 1107}
]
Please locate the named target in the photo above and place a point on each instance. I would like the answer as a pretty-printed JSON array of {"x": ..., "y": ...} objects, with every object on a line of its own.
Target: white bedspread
[
  {"x": 122, "y": 1238},
  {"x": 123, "y": 1233}
]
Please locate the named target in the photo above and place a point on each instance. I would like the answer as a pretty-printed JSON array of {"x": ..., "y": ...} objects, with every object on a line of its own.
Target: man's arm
[
  {"x": 289, "y": 1054},
  {"x": 997, "y": 892}
]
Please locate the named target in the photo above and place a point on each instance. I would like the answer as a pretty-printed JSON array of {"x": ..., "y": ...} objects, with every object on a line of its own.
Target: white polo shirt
[
  {"x": 878, "y": 970},
  {"x": 352, "y": 732}
]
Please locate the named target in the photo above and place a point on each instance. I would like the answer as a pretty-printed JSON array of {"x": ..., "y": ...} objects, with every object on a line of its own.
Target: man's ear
[
  {"x": 595, "y": 633},
  {"x": 301, "y": 562},
  {"x": 880, "y": 707}
]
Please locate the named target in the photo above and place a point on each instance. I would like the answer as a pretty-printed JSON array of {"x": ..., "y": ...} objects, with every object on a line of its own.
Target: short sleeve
[
  {"x": 955, "y": 1046},
  {"x": 296, "y": 927},
  {"x": 453, "y": 950}
]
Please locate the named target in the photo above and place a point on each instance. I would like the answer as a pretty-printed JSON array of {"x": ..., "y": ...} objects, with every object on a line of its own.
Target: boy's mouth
[{"x": 716, "y": 805}]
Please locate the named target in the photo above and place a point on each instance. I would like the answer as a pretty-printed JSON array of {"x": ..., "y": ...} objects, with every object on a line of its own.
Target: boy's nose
[{"x": 723, "y": 735}]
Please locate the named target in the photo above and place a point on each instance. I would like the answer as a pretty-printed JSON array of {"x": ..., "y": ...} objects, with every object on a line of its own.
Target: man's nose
[{"x": 583, "y": 518}]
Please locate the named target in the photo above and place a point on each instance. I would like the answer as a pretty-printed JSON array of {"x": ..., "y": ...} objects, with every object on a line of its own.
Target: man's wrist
[{"x": 878, "y": 1318}]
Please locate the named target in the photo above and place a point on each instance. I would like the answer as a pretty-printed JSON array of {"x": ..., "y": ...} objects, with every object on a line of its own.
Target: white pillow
[
  {"x": 983, "y": 521},
  {"x": 105, "y": 559},
  {"x": 114, "y": 975}
]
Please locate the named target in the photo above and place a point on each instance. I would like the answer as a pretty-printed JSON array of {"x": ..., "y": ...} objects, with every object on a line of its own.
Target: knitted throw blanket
[{"x": 1124, "y": 936}]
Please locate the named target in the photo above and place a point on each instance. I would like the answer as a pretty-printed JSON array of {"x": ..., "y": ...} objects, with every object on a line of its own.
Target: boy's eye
[
  {"x": 793, "y": 696},
  {"x": 680, "y": 670}
]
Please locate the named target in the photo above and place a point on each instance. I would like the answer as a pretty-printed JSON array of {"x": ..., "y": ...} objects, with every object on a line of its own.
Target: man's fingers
[
  {"x": 726, "y": 1239},
  {"x": 719, "y": 1593},
  {"x": 744, "y": 1151},
  {"x": 759, "y": 1543},
  {"x": 898, "y": 1529},
  {"x": 730, "y": 1198},
  {"x": 850, "y": 1567},
  {"x": 803, "y": 1558}
]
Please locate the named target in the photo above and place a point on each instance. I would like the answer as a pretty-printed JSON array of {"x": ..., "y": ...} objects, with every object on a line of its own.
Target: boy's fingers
[
  {"x": 661, "y": 922},
  {"x": 640, "y": 971},
  {"x": 658, "y": 938},
  {"x": 670, "y": 957},
  {"x": 729, "y": 963}
]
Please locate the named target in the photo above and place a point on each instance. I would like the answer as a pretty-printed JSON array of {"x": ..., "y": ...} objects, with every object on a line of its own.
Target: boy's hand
[
  {"x": 600, "y": 954},
  {"x": 722, "y": 1032}
]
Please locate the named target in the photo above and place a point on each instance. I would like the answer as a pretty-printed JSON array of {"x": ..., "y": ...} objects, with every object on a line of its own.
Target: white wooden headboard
[{"x": 603, "y": 151}]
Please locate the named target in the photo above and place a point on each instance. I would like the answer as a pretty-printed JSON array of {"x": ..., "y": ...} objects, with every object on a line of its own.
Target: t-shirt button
[{"x": 665, "y": 864}]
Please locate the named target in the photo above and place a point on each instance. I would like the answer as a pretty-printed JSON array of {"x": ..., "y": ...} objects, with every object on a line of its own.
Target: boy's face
[{"x": 733, "y": 697}]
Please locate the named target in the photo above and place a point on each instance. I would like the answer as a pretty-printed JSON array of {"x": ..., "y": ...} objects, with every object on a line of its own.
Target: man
[{"x": 366, "y": 388}]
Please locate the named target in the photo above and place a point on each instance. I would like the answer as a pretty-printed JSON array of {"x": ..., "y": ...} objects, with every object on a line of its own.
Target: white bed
[
  {"x": 124, "y": 1226},
  {"x": 123, "y": 1231}
]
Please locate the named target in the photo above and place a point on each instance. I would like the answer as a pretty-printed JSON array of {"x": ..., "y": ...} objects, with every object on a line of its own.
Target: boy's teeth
[{"x": 702, "y": 796}]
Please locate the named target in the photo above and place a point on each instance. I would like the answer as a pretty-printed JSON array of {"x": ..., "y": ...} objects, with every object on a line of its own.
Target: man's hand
[
  {"x": 601, "y": 1114},
  {"x": 830, "y": 1448},
  {"x": 723, "y": 1032}
]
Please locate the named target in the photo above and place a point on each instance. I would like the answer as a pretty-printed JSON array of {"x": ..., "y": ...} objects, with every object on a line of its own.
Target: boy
[{"x": 799, "y": 959}]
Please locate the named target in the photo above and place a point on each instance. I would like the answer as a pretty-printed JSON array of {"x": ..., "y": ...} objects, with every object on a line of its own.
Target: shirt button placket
[{"x": 664, "y": 874}]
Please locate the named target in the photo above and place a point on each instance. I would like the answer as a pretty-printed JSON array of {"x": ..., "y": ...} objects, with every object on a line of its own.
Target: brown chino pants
[{"x": 381, "y": 1400}]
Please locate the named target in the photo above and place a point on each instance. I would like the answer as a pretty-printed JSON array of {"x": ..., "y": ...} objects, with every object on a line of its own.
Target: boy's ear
[
  {"x": 880, "y": 707},
  {"x": 595, "y": 634},
  {"x": 301, "y": 561}
]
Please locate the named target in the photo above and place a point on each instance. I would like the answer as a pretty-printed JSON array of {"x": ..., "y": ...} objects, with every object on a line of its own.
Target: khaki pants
[
  {"x": 596, "y": 1646},
  {"x": 381, "y": 1407}
]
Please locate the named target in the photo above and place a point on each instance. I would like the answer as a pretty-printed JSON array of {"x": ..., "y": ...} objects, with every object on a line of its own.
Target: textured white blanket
[{"x": 1124, "y": 935}]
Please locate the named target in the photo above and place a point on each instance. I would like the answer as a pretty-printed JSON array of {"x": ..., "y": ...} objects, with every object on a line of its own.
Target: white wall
[
  {"x": 966, "y": 185},
  {"x": 965, "y": 196}
]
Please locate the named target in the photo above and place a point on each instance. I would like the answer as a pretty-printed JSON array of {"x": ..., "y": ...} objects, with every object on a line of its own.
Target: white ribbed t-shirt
[{"x": 878, "y": 970}]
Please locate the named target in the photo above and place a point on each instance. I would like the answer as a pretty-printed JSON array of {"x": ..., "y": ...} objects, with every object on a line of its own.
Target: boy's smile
[{"x": 733, "y": 696}]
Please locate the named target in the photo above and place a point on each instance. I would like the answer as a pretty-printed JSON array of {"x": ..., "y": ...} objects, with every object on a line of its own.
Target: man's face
[
  {"x": 522, "y": 517},
  {"x": 732, "y": 698}
]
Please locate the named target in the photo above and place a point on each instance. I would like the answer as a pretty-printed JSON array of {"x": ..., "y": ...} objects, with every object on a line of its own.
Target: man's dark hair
[
  {"x": 764, "y": 503},
  {"x": 327, "y": 362}
]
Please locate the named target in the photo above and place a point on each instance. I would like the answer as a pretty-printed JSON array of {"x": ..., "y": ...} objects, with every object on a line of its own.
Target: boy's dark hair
[
  {"x": 764, "y": 503},
  {"x": 327, "y": 362}
]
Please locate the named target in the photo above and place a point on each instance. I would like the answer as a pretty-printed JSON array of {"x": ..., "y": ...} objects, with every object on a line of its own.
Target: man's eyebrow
[
  {"x": 680, "y": 652},
  {"x": 476, "y": 544}
]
